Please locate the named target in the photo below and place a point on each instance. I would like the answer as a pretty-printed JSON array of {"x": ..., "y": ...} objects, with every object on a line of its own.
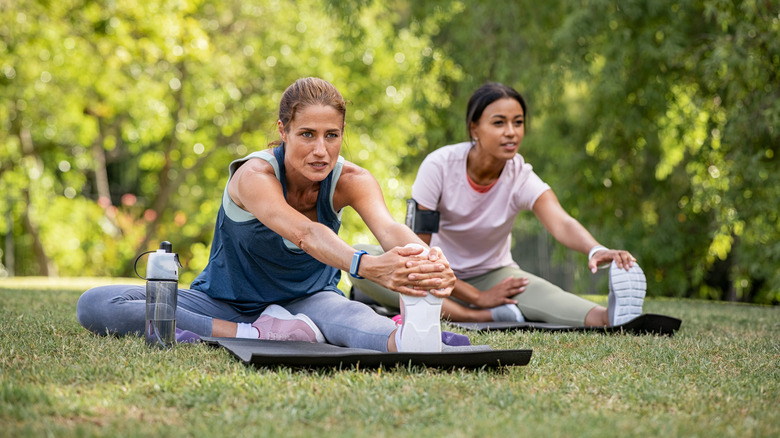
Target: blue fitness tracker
[{"x": 353, "y": 268}]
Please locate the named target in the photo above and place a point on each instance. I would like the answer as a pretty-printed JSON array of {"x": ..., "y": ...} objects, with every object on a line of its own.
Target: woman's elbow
[{"x": 305, "y": 236}]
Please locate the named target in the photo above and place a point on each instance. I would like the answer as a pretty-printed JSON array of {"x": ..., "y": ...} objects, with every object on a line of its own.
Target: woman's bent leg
[
  {"x": 343, "y": 322},
  {"x": 114, "y": 309},
  {"x": 451, "y": 310},
  {"x": 455, "y": 311},
  {"x": 121, "y": 310},
  {"x": 541, "y": 300}
]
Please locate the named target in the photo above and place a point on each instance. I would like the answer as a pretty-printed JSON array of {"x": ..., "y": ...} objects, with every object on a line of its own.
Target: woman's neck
[
  {"x": 304, "y": 199},
  {"x": 482, "y": 170}
]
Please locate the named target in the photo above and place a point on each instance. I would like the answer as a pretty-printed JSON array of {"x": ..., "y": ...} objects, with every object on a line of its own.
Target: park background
[{"x": 656, "y": 123}]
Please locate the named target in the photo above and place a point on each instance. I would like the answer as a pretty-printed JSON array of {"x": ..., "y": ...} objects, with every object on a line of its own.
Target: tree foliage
[
  {"x": 656, "y": 124},
  {"x": 121, "y": 117},
  {"x": 678, "y": 115}
]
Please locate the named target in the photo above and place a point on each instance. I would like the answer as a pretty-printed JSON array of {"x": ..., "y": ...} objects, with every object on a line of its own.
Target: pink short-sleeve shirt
[{"x": 475, "y": 229}]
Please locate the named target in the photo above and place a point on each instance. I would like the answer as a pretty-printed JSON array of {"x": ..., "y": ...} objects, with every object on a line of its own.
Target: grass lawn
[{"x": 719, "y": 376}]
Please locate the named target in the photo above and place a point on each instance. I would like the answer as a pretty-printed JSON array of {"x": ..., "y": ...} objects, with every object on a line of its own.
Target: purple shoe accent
[
  {"x": 454, "y": 339},
  {"x": 186, "y": 336}
]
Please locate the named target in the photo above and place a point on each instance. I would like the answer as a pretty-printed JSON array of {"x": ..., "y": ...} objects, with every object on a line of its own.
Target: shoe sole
[
  {"x": 421, "y": 324},
  {"x": 279, "y": 312},
  {"x": 627, "y": 289}
]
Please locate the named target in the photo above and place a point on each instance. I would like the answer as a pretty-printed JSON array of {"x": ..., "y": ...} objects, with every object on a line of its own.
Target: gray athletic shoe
[
  {"x": 277, "y": 324},
  {"x": 626, "y": 293},
  {"x": 508, "y": 313}
]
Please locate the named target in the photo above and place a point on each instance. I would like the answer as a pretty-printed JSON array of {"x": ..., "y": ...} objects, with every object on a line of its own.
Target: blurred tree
[
  {"x": 678, "y": 112},
  {"x": 122, "y": 117},
  {"x": 656, "y": 124}
]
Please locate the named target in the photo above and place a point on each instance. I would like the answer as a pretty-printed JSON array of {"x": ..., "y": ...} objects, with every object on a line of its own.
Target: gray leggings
[
  {"x": 121, "y": 310},
  {"x": 541, "y": 301}
]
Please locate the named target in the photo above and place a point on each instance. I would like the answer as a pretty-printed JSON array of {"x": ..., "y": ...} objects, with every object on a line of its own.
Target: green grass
[{"x": 719, "y": 376}]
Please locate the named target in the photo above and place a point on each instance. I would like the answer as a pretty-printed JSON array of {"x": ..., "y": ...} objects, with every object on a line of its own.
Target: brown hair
[{"x": 306, "y": 92}]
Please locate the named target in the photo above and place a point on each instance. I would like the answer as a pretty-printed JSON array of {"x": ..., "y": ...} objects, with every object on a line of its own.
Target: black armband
[{"x": 421, "y": 221}]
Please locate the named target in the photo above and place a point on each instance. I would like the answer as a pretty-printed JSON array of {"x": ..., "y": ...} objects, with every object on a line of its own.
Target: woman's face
[
  {"x": 500, "y": 129},
  {"x": 312, "y": 142}
]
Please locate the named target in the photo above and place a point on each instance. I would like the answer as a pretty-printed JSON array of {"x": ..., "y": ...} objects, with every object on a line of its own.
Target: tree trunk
[
  {"x": 9, "y": 254},
  {"x": 101, "y": 174},
  {"x": 46, "y": 266}
]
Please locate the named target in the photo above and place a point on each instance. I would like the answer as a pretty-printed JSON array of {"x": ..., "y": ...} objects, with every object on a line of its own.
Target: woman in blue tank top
[{"x": 276, "y": 256}]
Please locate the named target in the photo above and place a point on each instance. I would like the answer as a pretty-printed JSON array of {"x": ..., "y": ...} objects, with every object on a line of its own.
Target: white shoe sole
[
  {"x": 421, "y": 325},
  {"x": 280, "y": 312},
  {"x": 627, "y": 289}
]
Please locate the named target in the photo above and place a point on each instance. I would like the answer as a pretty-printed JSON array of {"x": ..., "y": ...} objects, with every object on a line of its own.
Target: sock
[
  {"x": 398, "y": 338},
  {"x": 507, "y": 312},
  {"x": 246, "y": 330}
]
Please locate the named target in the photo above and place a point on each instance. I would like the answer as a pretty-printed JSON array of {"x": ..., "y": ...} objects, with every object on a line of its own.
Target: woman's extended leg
[{"x": 346, "y": 323}]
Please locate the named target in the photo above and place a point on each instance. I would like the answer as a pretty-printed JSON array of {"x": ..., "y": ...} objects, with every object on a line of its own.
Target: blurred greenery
[{"x": 657, "y": 123}]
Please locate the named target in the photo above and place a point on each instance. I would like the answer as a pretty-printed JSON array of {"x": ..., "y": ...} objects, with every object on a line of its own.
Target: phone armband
[{"x": 421, "y": 221}]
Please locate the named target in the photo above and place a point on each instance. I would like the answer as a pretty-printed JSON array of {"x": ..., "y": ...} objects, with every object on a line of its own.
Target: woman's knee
[
  {"x": 88, "y": 310},
  {"x": 95, "y": 309}
]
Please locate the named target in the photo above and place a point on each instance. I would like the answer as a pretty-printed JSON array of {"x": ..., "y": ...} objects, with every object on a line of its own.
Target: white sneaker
[
  {"x": 276, "y": 323},
  {"x": 420, "y": 329},
  {"x": 627, "y": 290},
  {"x": 507, "y": 312},
  {"x": 420, "y": 325}
]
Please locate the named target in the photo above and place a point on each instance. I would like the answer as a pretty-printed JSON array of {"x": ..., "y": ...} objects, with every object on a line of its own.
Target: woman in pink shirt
[{"x": 478, "y": 187}]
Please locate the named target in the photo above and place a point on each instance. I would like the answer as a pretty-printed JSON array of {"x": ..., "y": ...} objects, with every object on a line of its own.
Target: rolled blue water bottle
[{"x": 162, "y": 289}]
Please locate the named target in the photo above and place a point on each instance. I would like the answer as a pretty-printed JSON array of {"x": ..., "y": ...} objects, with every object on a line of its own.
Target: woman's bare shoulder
[
  {"x": 352, "y": 171},
  {"x": 354, "y": 184},
  {"x": 255, "y": 165}
]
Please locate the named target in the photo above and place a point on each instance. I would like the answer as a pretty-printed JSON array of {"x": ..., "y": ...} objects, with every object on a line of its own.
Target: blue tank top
[{"x": 250, "y": 266}]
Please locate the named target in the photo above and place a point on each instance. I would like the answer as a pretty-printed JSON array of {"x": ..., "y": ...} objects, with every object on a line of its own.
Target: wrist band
[
  {"x": 596, "y": 249},
  {"x": 353, "y": 268}
]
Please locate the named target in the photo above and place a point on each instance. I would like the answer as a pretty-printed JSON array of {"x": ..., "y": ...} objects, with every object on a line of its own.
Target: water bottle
[{"x": 162, "y": 287}]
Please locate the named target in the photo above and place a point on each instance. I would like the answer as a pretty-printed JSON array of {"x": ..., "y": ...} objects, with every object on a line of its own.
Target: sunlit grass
[
  {"x": 63, "y": 283},
  {"x": 718, "y": 376}
]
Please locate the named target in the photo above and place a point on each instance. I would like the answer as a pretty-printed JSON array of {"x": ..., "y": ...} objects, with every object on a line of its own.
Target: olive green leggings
[{"x": 541, "y": 301}]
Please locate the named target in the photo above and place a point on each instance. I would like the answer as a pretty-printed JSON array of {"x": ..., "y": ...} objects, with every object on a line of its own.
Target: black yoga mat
[
  {"x": 262, "y": 353},
  {"x": 647, "y": 323}
]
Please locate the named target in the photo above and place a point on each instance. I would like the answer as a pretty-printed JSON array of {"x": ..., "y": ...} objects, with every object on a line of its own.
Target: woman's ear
[{"x": 280, "y": 125}]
